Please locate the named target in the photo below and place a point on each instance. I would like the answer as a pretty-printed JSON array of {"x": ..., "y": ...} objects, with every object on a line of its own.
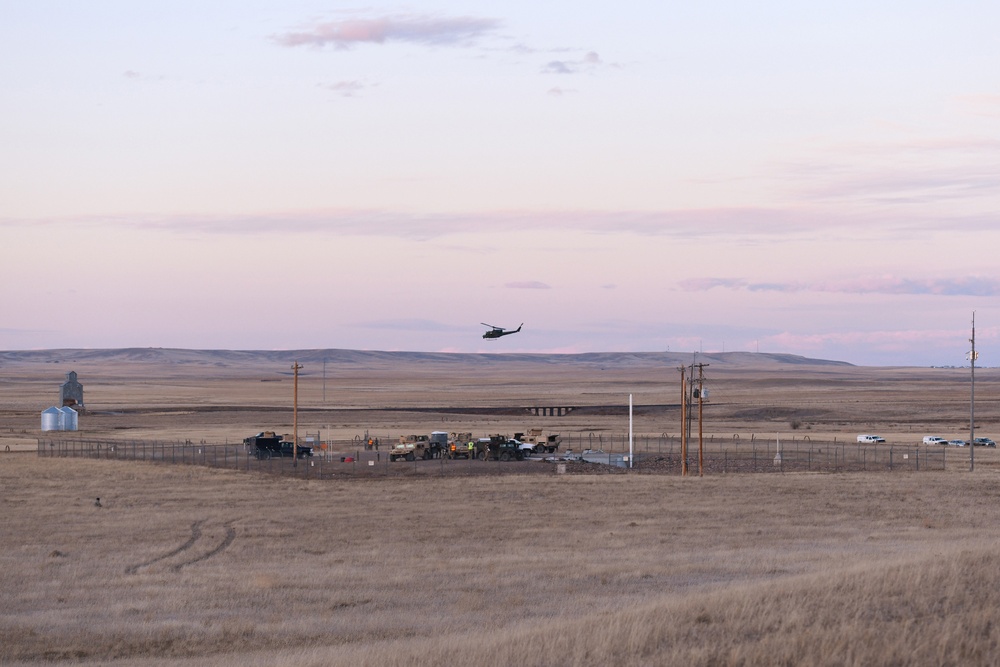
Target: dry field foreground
[{"x": 193, "y": 566}]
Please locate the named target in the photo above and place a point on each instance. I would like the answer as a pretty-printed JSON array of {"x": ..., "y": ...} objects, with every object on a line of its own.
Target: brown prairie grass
[{"x": 193, "y": 566}]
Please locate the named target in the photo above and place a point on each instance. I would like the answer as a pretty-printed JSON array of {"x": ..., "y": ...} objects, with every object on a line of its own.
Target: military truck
[
  {"x": 439, "y": 443},
  {"x": 412, "y": 447},
  {"x": 458, "y": 446},
  {"x": 267, "y": 445},
  {"x": 498, "y": 448},
  {"x": 541, "y": 441}
]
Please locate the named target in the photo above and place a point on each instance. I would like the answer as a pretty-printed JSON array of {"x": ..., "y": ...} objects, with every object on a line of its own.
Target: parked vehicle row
[
  {"x": 268, "y": 445},
  {"x": 440, "y": 444},
  {"x": 958, "y": 442},
  {"x": 932, "y": 440}
]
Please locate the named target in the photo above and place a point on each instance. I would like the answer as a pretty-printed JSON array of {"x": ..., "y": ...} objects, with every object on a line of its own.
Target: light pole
[
  {"x": 295, "y": 415},
  {"x": 684, "y": 427},
  {"x": 973, "y": 355}
]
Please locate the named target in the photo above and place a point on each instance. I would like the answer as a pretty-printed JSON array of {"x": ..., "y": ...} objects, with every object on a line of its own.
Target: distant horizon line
[{"x": 293, "y": 354}]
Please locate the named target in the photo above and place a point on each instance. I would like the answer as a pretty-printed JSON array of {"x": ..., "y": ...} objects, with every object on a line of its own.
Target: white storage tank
[
  {"x": 70, "y": 418},
  {"x": 52, "y": 419}
]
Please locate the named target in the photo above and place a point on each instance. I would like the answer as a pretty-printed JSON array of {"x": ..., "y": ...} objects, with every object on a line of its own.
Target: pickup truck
[
  {"x": 934, "y": 440},
  {"x": 267, "y": 445},
  {"x": 871, "y": 439},
  {"x": 497, "y": 447}
]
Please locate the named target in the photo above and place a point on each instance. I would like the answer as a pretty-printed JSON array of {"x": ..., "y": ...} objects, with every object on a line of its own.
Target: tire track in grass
[
  {"x": 195, "y": 536},
  {"x": 226, "y": 541}
]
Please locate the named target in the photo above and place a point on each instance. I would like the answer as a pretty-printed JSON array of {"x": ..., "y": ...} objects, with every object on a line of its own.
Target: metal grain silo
[
  {"x": 52, "y": 419},
  {"x": 70, "y": 418}
]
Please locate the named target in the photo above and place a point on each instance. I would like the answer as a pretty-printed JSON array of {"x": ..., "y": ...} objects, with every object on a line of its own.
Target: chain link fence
[{"x": 652, "y": 454}]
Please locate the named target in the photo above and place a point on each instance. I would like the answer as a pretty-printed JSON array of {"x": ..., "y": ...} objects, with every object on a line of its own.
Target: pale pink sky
[{"x": 298, "y": 174}]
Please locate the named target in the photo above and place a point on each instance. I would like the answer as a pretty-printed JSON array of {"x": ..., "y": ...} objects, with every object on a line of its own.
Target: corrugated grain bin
[
  {"x": 52, "y": 419},
  {"x": 70, "y": 418}
]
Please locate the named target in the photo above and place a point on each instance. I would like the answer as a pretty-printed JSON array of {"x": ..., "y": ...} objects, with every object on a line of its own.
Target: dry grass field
[{"x": 185, "y": 565}]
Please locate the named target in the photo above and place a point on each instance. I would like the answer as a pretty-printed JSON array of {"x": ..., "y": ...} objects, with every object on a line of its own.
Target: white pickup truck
[{"x": 871, "y": 439}]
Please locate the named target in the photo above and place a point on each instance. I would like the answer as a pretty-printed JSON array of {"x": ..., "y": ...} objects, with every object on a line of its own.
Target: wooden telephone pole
[
  {"x": 687, "y": 394},
  {"x": 684, "y": 442},
  {"x": 295, "y": 414},
  {"x": 701, "y": 432}
]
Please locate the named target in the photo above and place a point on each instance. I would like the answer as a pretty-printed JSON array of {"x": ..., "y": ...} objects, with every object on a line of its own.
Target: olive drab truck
[
  {"x": 458, "y": 446},
  {"x": 439, "y": 444},
  {"x": 267, "y": 445},
  {"x": 498, "y": 448}
]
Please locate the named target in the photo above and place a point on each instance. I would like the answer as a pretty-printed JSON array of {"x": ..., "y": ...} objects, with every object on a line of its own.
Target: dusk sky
[{"x": 820, "y": 179}]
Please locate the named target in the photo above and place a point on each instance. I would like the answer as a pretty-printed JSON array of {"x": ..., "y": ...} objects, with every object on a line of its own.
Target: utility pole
[
  {"x": 973, "y": 355},
  {"x": 684, "y": 443},
  {"x": 295, "y": 415},
  {"x": 701, "y": 435}
]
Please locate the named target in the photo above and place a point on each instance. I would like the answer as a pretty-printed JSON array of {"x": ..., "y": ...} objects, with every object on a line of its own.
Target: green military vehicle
[{"x": 498, "y": 448}]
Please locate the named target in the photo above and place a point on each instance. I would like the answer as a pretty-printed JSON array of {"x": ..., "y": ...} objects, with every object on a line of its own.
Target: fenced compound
[
  {"x": 337, "y": 459},
  {"x": 796, "y": 456},
  {"x": 652, "y": 455}
]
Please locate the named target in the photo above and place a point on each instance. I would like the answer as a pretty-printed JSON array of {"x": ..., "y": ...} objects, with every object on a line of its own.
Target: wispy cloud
[
  {"x": 913, "y": 186},
  {"x": 133, "y": 75},
  {"x": 527, "y": 284},
  {"x": 981, "y": 105},
  {"x": 965, "y": 286},
  {"x": 588, "y": 63},
  {"x": 939, "y": 169},
  {"x": 732, "y": 224},
  {"x": 905, "y": 340},
  {"x": 345, "y": 88},
  {"x": 412, "y": 324},
  {"x": 412, "y": 28},
  {"x": 557, "y": 91}
]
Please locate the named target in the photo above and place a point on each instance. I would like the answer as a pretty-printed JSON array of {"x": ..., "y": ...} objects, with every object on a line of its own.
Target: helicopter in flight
[{"x": 496, "y": 332}]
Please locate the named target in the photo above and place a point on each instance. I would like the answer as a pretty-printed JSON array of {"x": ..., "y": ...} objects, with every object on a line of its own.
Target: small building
[{"x": 71, "y": 392}]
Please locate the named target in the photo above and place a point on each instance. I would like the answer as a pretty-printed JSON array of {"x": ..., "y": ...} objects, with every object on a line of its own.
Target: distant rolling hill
[{"x": 610, "y": 360}]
